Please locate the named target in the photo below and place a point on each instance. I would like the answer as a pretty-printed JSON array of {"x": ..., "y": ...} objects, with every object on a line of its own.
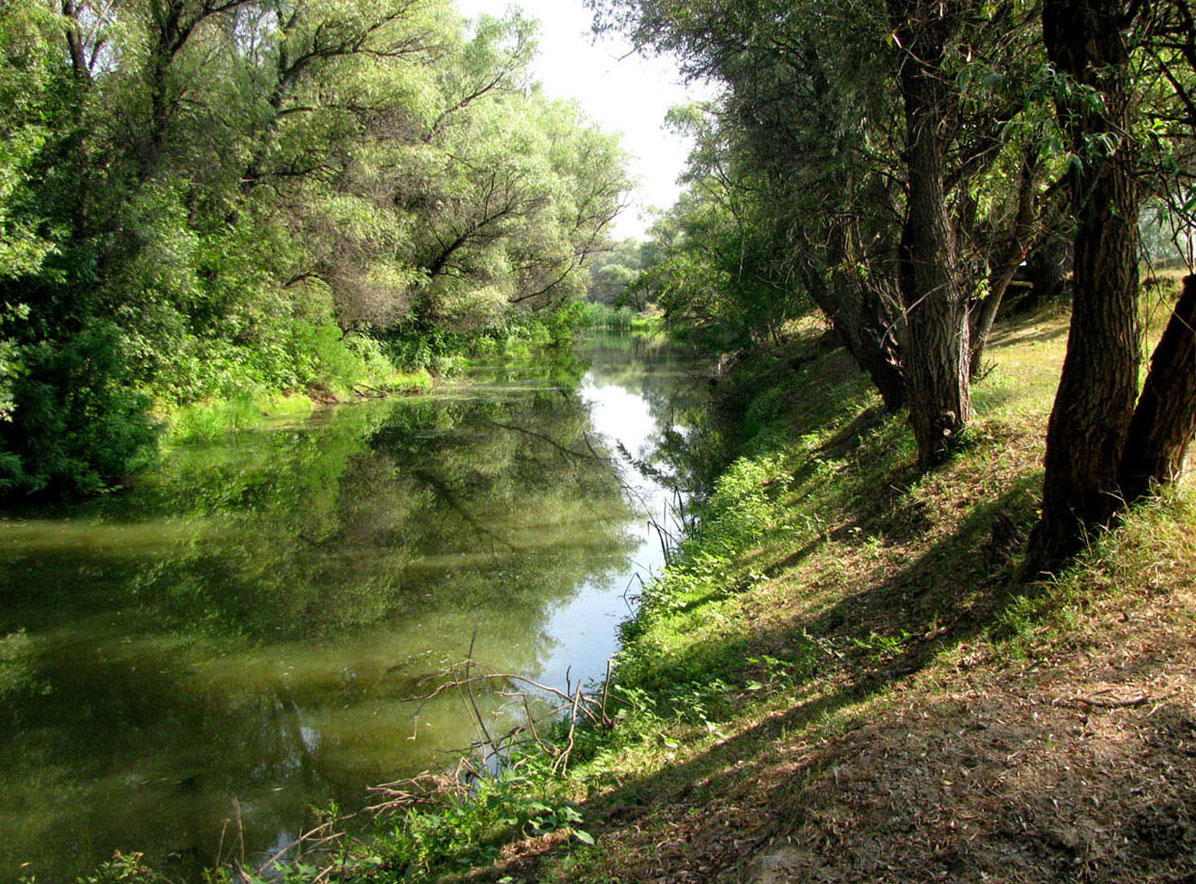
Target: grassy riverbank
[
  {"x": 367, "y": 371},
  {"x": 211, "y": 419},
  {"x": 837, "y": 680}
]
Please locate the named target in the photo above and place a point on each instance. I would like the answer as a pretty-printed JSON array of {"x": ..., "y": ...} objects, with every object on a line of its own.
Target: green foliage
[
  {"x": 250, "y": 203},
  {"x": 691, "y": 605},
  {"x": 613, "y": 275},
  {"x": 715, "y": 270},
  {"x": 424, "y": 843},
  {"x": 422, "y": 347},
  {"x": 77, "y": 424},
  {"x": 28, "y": 37},
  {"x": 743, "y": 506},
  {"x": 121, "y": 869},
  {"x": 518, "y": 802},
  {"x": 205, "y": 421},
  {"x": 802, "y": 192},
  {"x": 603, "y": 316}
]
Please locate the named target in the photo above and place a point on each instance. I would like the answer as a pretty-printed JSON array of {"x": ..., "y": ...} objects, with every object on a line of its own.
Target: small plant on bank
[{"x": 442, "y": 833}]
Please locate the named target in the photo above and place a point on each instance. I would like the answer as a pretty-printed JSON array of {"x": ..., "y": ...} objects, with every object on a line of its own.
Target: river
[{"x": 239, "y": 636}]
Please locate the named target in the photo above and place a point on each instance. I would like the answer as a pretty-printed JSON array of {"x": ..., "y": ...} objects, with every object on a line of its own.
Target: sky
[{"x": 621, "y": 92}]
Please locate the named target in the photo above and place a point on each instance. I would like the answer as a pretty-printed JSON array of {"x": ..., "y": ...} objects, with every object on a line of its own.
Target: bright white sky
[{"x": 620, "y": 92}]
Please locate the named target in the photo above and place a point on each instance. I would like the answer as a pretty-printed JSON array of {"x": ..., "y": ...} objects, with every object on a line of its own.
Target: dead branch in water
[
  {"x": 425, "y": 788},
  {"x": 593, "y": 708},
  {"x": 573, "y": 705},
  {"x": 329, "y": 848},
  {"x": 365, "y": 391}
]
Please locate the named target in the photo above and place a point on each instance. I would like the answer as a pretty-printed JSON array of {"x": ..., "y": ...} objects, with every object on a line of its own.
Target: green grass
[
  {"x": 208, "y": 420},
  {"x": 604, "y": 316},
  {"x": 827, "y": 570},
  {"x": 211, "y": 419},
  {"x": 828, "y": 590}
]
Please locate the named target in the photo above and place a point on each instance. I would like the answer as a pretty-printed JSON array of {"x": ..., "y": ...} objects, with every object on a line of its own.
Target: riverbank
[
  {"x": 211, "y": 419},
  {"x": 837, "y": 679},
  {"x": 409, "y": 368}
]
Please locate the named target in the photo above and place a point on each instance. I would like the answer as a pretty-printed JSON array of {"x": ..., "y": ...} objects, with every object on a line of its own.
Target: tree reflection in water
[{"x": 248, "y": 621}]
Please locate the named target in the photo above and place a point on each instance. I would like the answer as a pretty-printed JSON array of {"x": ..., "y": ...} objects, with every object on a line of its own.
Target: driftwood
[{"x": 573, "y": 705}]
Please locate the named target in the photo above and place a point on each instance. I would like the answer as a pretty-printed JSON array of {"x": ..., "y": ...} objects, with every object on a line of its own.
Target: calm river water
[{"x": 246, "y": 627}]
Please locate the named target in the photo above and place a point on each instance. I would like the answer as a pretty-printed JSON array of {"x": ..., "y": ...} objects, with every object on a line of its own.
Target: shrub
[{"x": 77, "y": 424}]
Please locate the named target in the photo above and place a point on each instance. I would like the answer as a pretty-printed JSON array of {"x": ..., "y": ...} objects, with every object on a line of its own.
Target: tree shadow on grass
[
  {"x": 1042, "y": 326},
  {"x": 949, "y": 595}
]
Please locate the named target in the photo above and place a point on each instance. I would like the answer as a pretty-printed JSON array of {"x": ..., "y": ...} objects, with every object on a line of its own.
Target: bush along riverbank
[
  {"x": 359, "y": 367},
  {"x": 599, "y": 316},
  {"x": 837, "y": 679}
]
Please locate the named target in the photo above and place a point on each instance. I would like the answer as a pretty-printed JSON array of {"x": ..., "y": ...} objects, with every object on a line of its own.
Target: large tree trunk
[
  {"x": 1165, "y": 418},
  {"x": 937, "y": 351},
  {"x": 1095, "y": 401}
]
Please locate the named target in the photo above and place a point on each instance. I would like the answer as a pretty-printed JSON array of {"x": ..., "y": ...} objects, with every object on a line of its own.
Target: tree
[
  {"x": 894, "y": 234},
  {"x": 1164, "y": 420},
  {"x": 936, "y": 308},
  {"x": 204, "y": 198},
  {"x": 526, "y": 192},
  {"x": 716, "y": 271},
  {"x": 613, "y": 273},
  {"x": 1087, "y": 43},
  {"x": 1106, "y": 445}
]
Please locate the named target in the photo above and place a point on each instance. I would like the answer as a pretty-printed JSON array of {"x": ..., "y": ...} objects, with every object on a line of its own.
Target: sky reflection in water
[{"x": 249, "y": 621}]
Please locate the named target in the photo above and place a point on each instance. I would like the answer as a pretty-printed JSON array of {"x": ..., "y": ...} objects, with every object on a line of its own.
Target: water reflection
[{"x": 248, "y": 621}]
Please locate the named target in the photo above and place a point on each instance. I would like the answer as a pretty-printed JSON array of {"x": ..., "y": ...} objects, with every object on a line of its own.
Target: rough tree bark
[
  {"x": 1094, "y": 404},
  {"x": 860, "y": 319},
  {"x": 1165, "y": 418},
  {"x": 937, "y": 349}
]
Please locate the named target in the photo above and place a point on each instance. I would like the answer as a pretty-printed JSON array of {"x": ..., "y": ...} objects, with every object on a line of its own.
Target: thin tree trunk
[
  {"x": 1095, "y": 402},
  {"x": 1165, "y": 418},
  {"x": 1005, "y": 263},
  {"x": 985, "y": 316}
]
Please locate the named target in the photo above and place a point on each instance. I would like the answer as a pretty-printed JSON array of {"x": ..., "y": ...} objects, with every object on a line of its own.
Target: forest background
[
  {"x": 206, "y": 203},
  {"x": 213, "y": 201}
]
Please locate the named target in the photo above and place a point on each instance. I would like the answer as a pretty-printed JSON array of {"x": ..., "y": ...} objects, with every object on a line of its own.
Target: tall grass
[{"x": 604, "y": 316}]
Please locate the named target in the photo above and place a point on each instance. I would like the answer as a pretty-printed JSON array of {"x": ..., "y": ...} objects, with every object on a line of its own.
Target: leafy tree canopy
[{"x": 204, "y": 197}]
